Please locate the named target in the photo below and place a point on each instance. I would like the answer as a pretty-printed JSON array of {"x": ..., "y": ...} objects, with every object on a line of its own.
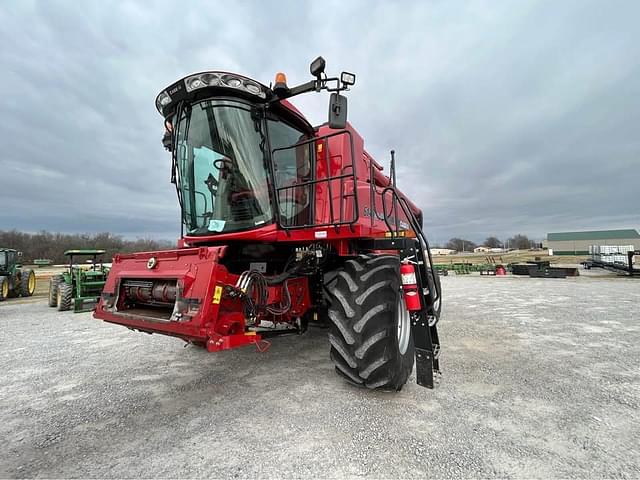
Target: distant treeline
[
  {"x": 53, "y": 245},
  {"x": 518, "y": 242}
]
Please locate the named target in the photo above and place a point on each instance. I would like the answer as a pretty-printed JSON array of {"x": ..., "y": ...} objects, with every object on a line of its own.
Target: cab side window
[{"x": 292, "y": 168}]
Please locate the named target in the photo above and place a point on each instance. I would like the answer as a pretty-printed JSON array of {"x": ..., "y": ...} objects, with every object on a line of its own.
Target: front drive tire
[
  {"x": 27, "y": 283},
  {"x": 54, "y": 282},
  {"x": 64, "y": 297},
  {"x": 4, "y": 288},
  {"x": 371, "y": 340}
]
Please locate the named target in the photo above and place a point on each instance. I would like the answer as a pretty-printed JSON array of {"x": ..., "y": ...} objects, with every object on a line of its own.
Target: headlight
[
  {"x": 210, "y": 79},
  {"x": 252, "y": 88},
  {"x": 163, "y": 100},
  {"x": 194, "y": 83},
  {"x": 232, "y": 81},
  {"x": 219, "y": 79}
]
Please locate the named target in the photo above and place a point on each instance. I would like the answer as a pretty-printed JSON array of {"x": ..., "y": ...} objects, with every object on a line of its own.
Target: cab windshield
[{"x": 222, "y": 174}]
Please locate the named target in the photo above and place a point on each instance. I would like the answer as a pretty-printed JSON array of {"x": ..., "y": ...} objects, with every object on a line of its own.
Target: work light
[
  {"x": 348, "y": 78},
  {"x": 317, "y": 66}
]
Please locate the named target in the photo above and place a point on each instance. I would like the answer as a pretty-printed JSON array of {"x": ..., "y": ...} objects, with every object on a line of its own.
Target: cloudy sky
[{"x": 506, "y": 116}]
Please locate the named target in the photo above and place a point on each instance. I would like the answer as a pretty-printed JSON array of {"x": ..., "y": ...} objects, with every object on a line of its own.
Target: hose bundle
[{"x": 255, "y": 294}]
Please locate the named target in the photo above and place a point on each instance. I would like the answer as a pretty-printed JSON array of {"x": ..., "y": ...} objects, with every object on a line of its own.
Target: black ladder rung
[{"x": 436, "y": 351}]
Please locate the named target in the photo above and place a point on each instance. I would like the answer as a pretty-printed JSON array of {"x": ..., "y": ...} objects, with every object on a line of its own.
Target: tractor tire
[
  {"x": 4, "y": 288},
  {"x": 371, "y": 340},
  {"x": 54, "y": 282},
  {"x": 27, "y": 283},
  {"x": 64, "y": 297}
]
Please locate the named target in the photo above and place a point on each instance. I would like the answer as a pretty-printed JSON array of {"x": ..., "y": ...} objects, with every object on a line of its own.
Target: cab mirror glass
[
  {"x": 167, "y": 141},
  {"x": 337, "y": 111}
]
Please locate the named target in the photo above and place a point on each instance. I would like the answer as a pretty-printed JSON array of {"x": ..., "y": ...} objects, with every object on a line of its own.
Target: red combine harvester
[{"x": 283, "y": 225}]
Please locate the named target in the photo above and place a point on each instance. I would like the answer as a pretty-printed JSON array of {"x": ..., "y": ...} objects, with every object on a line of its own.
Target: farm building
[
  {"x": 483, "y": 249},
  {"x": 442, "y": 251},
  {"x": 577, "y": 243}
]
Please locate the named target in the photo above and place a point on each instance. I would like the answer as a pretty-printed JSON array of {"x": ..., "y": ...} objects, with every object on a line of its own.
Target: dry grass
[{"x": 511, "y": 257}]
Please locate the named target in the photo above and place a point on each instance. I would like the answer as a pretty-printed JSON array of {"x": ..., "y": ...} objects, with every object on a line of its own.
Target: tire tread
[{"x": 363, "y": 303}]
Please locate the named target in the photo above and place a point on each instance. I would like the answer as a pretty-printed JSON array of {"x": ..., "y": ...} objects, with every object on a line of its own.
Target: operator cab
[
  {"x": 242, "y": 155},
  {"x": 8, "y": 257}
]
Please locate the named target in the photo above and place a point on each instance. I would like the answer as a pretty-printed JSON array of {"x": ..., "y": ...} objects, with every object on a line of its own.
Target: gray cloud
[{"x": 506, "y": 117}]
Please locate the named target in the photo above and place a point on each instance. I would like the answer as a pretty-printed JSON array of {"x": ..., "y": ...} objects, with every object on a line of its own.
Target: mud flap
[
  {"x": 425, "y": 339},
  {"x": 424, "y": 368}
]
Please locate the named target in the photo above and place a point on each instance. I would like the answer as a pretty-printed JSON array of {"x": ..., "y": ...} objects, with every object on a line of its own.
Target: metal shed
[{"x": 577, "y": 243}]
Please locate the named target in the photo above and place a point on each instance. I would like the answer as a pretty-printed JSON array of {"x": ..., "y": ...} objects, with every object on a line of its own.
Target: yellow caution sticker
[{"x": 217, "y": 295}]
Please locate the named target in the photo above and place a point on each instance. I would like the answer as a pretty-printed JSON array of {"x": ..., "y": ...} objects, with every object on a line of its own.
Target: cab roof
[
  {"x": 85, "y": 252},
  {"x": 211, "y": 84}
]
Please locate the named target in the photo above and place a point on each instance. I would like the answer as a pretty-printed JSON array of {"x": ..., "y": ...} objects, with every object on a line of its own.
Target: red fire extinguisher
[{"x": 410, "y": 286}]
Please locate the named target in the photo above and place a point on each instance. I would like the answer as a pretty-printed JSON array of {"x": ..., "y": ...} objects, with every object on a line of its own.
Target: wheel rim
[
  {"x": 5, "y": 289},
  {"x": 32, "y": 283},
  {"x": 59, "y": 297},
  {"x": 404, "y": 324}
]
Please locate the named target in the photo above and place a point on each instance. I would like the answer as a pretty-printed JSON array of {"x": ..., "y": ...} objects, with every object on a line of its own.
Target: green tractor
[
  {"x": 14, "y": 281},
  {"x": 81, "y": 285}
]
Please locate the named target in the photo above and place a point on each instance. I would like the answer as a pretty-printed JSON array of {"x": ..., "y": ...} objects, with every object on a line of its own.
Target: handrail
[
  {"x": 342, "y": 177},
  {"x": 422, "y": 239}
]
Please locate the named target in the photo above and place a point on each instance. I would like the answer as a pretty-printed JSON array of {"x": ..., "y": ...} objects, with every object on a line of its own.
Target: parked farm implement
[
  {"x": 79, "y": 287},
  {"x": 15, "y": 281},
  {"x": 614, "y": 258},
  {"x": 283, "y": 225}
]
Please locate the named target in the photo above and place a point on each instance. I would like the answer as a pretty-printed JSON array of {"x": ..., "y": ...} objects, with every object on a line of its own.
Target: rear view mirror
[
  {"x": 167, "y": 141},
  {"x": 337, "y": 111}
]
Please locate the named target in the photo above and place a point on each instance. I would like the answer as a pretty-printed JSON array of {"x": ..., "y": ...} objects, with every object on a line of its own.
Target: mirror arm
[
  {"x": 311, "y": 86},
  {"x": 304, "y": 88}
]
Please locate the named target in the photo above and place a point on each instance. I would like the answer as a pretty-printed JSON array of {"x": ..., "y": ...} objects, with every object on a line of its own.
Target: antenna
[{"x": 392, "y": 168}]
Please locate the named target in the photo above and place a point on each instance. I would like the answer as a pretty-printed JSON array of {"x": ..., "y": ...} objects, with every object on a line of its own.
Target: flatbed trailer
[{"x": 616, "y": 267}]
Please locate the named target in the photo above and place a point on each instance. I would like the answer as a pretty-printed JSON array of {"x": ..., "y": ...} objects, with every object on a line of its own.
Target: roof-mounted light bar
[
  {"x": 213, "y": 79},
  {"x": 219, "y": 79}
]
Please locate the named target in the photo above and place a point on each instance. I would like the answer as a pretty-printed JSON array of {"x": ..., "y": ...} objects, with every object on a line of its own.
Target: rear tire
[
  {"x": 27, "y": 283},
  {"x": 64, "y": 297},
  {"x": 371, "y": 339},
  {"x": 54, "y": 282},
  {"x": 4, "y": 288}
]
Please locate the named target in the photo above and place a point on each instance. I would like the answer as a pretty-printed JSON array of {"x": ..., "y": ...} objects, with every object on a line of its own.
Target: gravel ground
[{"x": 541, "y": 379}]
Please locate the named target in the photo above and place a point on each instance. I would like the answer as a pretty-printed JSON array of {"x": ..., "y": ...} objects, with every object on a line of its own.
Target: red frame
[{"x": 196, "y": 267}]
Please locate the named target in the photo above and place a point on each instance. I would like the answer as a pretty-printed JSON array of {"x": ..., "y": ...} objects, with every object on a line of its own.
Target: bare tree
[
  {"x": 493, "y": 242},
  {"x": 53, "y": 245},
  {"x": 460, "y": 245},
  {"x": 520, "y": 242}
]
